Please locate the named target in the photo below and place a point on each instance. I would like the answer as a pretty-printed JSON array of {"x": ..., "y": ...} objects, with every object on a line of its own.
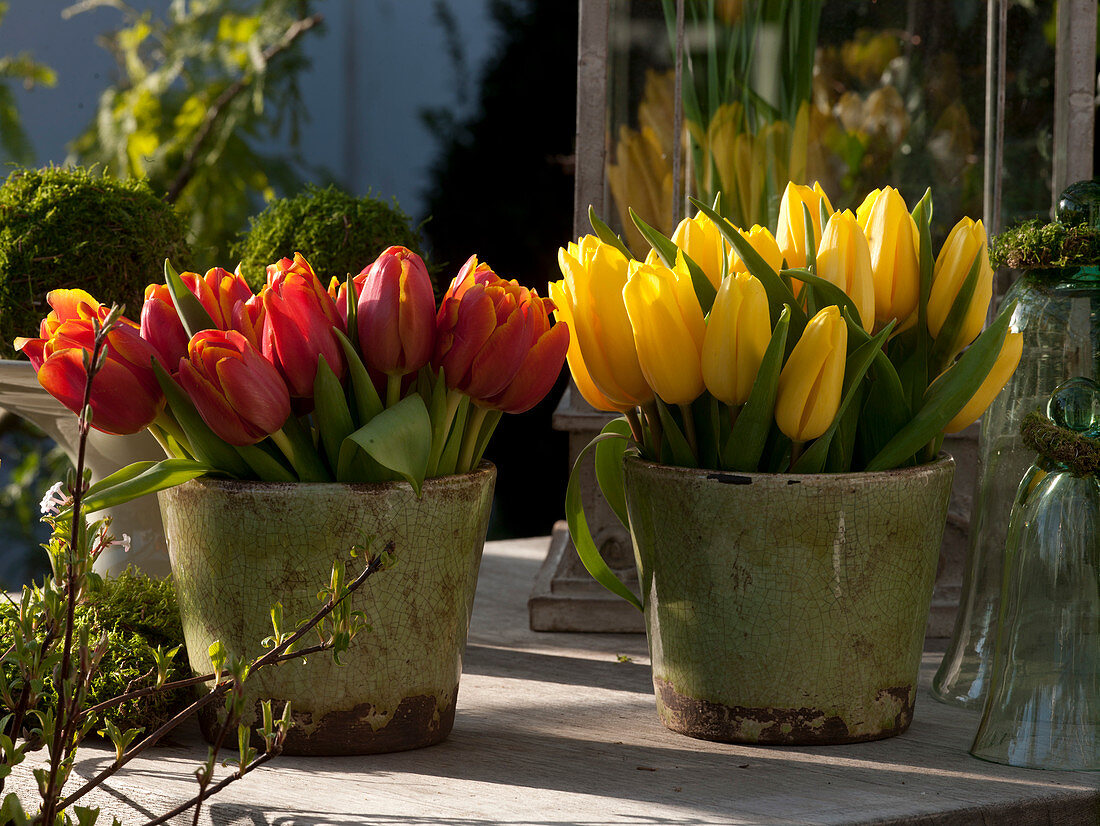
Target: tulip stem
[
  {"x": 796, "y": 451},
  {"x": 469, "y": 438},
  {"x": 167, "y": 422},
  {"x": 635, "y": 423},
  {"x": 653, "y": 418},
  {"x": 162, "y": 440},
  {"x": 439, "y": 440},
  {"x": 393, "y": 389},
  {"x": 689, "y": 430}
]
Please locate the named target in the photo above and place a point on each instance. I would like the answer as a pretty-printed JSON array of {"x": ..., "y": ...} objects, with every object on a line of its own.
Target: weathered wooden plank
[{"x": 555, "y": 729}]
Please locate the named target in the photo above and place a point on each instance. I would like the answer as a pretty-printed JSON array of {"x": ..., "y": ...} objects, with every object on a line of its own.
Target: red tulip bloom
[
  {"x": 396, "y": 313},
  {"x": 297, "y": 327},
  {"x": 238, "y": 393},
  {"x": 161, "y": 326},
  {"x": 125, "y": 395},
  {"x": 495, "y": 342}
]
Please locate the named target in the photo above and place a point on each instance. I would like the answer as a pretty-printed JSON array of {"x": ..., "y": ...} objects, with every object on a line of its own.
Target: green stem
[
  {"x": 295, "y": 444},
  {"x": 162, "y": 440},
  {"x": 635, "y": 422},
  {"x": 653, "y": 418},
  {"x": 167, "y": 422},
  {"x": 469, "y": 439},
  {"x": 454, "y": 399},
  {"x": 393, "y": 389},
  {"x": 689, "y": 430},
  {"x": 796, "y": 451}
]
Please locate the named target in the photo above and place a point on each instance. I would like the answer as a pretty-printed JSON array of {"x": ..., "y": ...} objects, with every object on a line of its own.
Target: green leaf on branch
[
  {"x": 606, "y": 234},
  {"x": 194, "y": 316},
  {"x": 668, "y": 251},
  {"x": 609, "y": 466},
  {"x": 586, "y": 547},
  {"x": 947, "y": 395},
  {"x": 399, "y": 438},
  {"x": 749, "y": 434}
]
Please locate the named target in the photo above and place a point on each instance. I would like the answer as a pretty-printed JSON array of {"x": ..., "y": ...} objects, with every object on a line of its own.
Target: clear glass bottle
[
  {"x": 1043, "y": 705},
  {"x": 1058, "y": 312}
]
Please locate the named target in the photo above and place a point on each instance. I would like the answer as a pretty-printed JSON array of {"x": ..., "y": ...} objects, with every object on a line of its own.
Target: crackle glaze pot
[
  {"x": 237, "y": 548},
  {"x": 786, "y": 609}
]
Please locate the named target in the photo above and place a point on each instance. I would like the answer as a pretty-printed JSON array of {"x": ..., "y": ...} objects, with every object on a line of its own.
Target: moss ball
[
  {"x": 338, "y": 233},
  {"x": 75, "y": 227}
]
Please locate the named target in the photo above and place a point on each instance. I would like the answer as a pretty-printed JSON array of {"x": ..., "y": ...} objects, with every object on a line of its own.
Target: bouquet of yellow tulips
[{"x": 837, "y": 343}]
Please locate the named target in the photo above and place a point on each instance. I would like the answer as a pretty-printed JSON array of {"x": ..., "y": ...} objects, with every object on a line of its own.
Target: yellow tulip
[
  {"x": 738, "y": 331},
  {"x": 966, "y": 240},
  {"x": 668, "y": 329},
  {"x": 764, "y": 243},
  {"x": 563, "y": 313},
  {"x": 999, "y": 374},
  {"x": 791, "y": 230},
  {"x": 594, "y": 276},
  {"x": 844, "y": 259},
  {"x": 810, "y": 383},
  {"x": 892, "y": 236},
  {"x": 700, "y": 239}
]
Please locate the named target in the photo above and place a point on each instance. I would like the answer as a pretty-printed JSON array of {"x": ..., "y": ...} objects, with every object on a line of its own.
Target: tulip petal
[{"x": 537, "y": 374}]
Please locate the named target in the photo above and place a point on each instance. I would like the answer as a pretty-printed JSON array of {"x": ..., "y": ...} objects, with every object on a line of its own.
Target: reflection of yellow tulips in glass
[
  {"x": 790, "y": 233},
  {"x": 1002, "y": 369},
  {"x": 895, "y": 267},
  {"x": 738, "y": 331},
  {"x": 595, "y": 274},
  {"x": 811, "y": 381},
  {"x": 953, "y": 264},
  {"x": 641, "y": 178},
  {"x": 844, "y": 259},
  {"x": 668, "y": 329},
  {"x": 700, "y": 239},
  {"x": 764, "y": 243}
]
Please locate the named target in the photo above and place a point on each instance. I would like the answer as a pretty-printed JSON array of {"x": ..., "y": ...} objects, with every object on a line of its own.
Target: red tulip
[
  {"x": 125, "y": 395},
  {"x": 238, "y": 393},
  {"x": 495, "y": 342},
  {"x": 396, "y": 313},
  {"x": 297, "y": 327},
  {"x": 161, "y": 326}
]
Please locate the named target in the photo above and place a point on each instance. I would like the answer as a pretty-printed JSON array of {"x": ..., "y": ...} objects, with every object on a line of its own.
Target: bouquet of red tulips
[{"x": 367, "y": 381}]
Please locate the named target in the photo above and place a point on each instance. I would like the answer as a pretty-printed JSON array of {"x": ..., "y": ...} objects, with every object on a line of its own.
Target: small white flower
[
  {"x": 124, "y": 543},
  {"x": 53, "y": 500}
]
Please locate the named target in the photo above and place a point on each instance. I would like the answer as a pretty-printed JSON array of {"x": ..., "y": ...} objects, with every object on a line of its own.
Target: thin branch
[
  {"x": 187, "y": 170},
  {"x": 213, "y": 790}
]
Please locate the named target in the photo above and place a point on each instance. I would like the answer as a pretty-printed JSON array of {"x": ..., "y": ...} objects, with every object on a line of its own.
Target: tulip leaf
[
  {"x": 488, "y": 427},
  {"x": 206, "y": 445},
  {"x": 609, "y": 467},
  {"x": 448, "y": 460},
  {"x": 667, "y": 251},
  {"x": 189, "y": 309},
  {"x": 606, "y": 234},
  {"x": 947, "y": 395},
  {"x": 813, "y": 458},
  {"x": 266, "y": 467},
  {"x": 352, "y": 309},
  {"x": 399, "y": 438},
  {"x": 949, "y": 341},
  {"x": 749, "y": 434},
  {"x": 916, "y": 370},
  {"x": 674, "y": 443},
  {"x": 368, "y": 403},
  {"x": 779, "y": 292},
  {"x": 842, "y": 447},
  {"x": 811, "y": 242},
  {"x": 441, "y": 409},
  {"x": 297, "y": 446},
  {"x": 586, "y": 547},
  {"x": 886, "y": 408},
  {"x": 705, "y": 409},
  {"x": 139, "y": 479},
  {"x": 331, "y": 413},
  {"x": 356, "y": 467},
  {"x": 828, "y": 293}
]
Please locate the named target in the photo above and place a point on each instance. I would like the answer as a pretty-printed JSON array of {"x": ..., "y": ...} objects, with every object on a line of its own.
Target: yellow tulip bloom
[
  {"x": 791, "y": 231},
  {"x": 738, "y": 332},
  {"x": 563, "y": 313},
  {"x": 668, "y": 329},
  {"x": 764, "y": 243},
  {"x": 966, "y": 240},
  {"x": 999, "y": 374},
  {"x": 811, "y": 381},
  {"x": 892, "y": 237},
  {"x": 844, "y": 259},
  {"x": 595, "y": 274},
  {"x": 700, "y": 239}
]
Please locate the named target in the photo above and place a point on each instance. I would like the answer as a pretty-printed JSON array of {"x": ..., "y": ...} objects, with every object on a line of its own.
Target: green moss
[
  {"x": 1036, "y": 245},
  {"x": 73, "y": 227},
  {"x": 135, "y": 614},
  {"x": 336, "y": 232}
]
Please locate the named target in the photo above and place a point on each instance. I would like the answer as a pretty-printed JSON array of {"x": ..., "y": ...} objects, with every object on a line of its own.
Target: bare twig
[{"x": 190, "y": 162}]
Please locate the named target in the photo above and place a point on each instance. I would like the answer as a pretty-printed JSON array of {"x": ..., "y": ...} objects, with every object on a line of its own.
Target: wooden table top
[{"x": 561, "y": 729}]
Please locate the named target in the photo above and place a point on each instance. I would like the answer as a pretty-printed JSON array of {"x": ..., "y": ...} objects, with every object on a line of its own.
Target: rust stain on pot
[
  {"x": 775, "y": 726},
  {"x": 416, "y": 722}
]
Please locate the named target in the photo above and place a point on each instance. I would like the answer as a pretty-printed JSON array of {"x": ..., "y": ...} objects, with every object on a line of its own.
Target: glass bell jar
[
  {"x": 1058, "y": 313},
  {"x": 1043, "y": 705}
]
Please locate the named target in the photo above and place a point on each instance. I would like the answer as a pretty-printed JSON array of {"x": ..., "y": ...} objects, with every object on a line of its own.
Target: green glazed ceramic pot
[
  {"x": 786, "y": 609},
  {"x": 237, "y": 548}
]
